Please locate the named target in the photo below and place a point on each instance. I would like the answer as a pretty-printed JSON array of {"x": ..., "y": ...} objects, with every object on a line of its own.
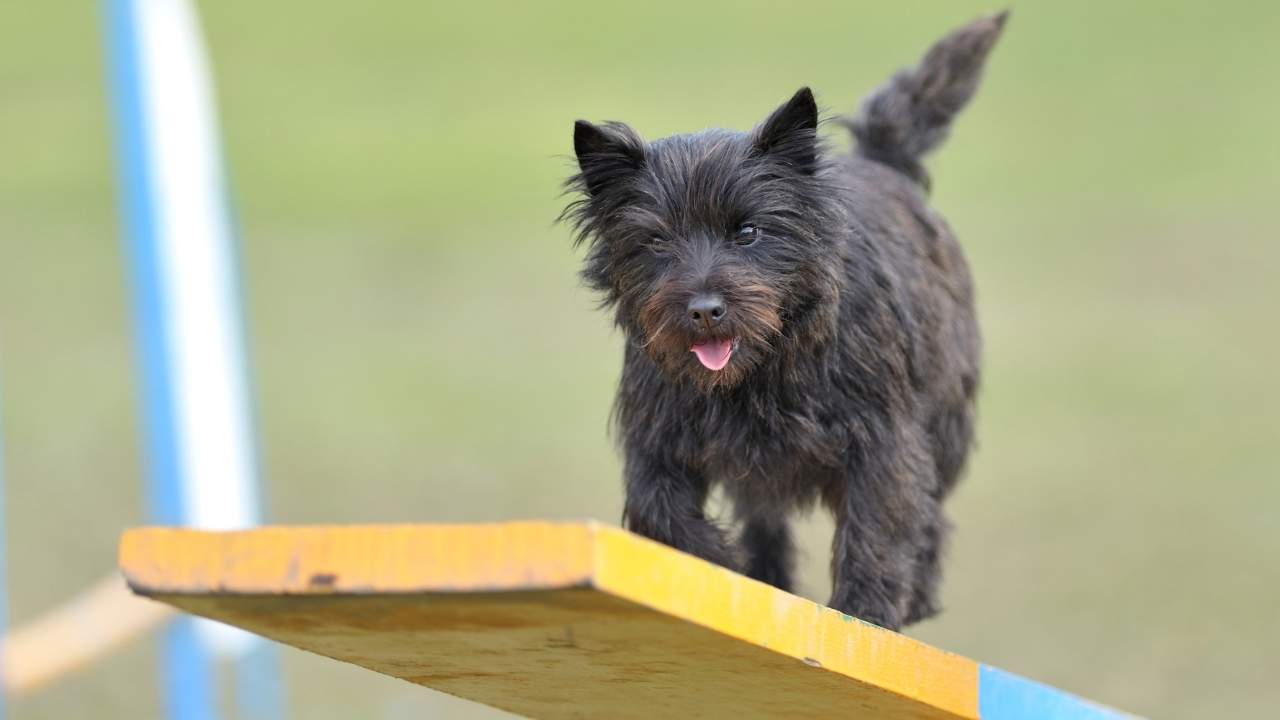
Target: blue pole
[
  {"x": 187, "y": 672},
  {"x": 202, "y": 468}
]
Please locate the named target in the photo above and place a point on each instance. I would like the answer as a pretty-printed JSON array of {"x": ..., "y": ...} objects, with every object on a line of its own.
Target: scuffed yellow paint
[{"x": 358, "y": 558}]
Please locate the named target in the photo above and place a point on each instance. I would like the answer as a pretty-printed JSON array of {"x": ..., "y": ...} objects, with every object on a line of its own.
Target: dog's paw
[{"x": 877, "y": 611}]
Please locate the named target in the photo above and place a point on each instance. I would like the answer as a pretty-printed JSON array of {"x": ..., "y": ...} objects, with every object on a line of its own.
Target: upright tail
[{"x": 904, "y": 119}]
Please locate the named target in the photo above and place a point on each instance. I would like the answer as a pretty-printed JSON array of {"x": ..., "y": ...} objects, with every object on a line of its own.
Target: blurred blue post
[{"x": 199, "y": 446}]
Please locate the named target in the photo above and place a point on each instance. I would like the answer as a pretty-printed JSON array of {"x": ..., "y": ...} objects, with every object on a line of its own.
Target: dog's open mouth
[{"x": 714, "y": 354}]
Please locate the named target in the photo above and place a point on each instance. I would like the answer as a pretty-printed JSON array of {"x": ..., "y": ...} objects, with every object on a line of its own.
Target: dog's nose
[{"x": 706, "y": 310}]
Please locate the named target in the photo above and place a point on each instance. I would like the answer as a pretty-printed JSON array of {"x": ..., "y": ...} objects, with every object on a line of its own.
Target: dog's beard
[{"x": 719, "y": 358}]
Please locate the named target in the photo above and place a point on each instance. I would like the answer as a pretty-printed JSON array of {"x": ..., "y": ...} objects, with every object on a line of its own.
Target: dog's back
[
  {"x": 899, "y": 123},
  {"x": 923, "y": 267},
  {"x": 928, "y": 276}
]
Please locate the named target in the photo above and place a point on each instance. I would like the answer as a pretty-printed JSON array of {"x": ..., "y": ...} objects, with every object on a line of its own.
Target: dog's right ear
[{"x": 606, "y": 153}]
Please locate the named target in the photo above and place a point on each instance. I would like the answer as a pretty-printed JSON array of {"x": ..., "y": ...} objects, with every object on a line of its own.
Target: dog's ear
[
  {"x": 791, "y": 132},
  {"x": 606, "y": 154}
]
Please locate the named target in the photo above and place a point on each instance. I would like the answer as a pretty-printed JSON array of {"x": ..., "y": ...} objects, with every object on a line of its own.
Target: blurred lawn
[{"x": 423, "y": 350}]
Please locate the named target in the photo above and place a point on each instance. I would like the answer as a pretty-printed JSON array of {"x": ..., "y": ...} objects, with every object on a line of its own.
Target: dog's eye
[
  {"x": 747, "y": 235},
  {"x": 657, "y": 243}
]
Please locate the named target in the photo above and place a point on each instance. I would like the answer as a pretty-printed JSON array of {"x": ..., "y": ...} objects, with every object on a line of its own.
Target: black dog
[{"x": 800, "y": 327}]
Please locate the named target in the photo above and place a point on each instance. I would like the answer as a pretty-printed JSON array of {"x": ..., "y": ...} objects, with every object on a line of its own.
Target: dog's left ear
[{"x": 791, "y": 132}]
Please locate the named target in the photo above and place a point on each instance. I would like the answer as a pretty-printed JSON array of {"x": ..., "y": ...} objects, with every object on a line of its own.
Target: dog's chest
[{"x": 770, "y": 452}]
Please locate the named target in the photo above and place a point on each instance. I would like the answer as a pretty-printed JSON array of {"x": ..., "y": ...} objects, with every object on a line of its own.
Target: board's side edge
[{"x": 686, "y": 587}]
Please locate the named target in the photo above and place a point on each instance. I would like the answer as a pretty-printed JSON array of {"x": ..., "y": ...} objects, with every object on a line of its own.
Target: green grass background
[{"x": 423, "y": 350}]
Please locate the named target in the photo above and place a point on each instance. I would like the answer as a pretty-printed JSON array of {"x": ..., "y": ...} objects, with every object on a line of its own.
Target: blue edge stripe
[
  {"x": 1005, "y": 696},
  {"x": 187, "y": 669}
]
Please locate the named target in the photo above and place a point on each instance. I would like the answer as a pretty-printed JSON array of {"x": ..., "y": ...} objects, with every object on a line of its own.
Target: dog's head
[{"x": 713, "y": 248}]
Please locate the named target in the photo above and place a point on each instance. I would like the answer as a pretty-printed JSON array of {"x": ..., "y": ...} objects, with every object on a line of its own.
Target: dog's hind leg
[
  {"x": 769, "y": 551},
  {"x": 951, "y": 431},
  {"x": 924, "y": 597}
]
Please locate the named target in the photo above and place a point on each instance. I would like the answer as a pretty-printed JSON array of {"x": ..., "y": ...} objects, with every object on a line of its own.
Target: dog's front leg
[
  {"x": 882, "y": 514},
  {"x": 665, "y": 503}
]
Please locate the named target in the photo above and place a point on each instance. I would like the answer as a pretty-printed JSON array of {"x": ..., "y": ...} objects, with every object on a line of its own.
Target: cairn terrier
[{"x": 800, "y": 328}]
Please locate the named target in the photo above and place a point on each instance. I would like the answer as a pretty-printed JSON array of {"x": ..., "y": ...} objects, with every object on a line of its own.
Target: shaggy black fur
[{"x": 847, "y": 306}]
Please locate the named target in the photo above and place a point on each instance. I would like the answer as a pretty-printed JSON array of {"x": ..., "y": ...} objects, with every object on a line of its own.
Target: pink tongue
[{"x": 713, "y": 354}]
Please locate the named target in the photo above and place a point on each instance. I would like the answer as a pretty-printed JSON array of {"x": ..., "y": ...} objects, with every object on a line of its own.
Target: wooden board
[{"x": 565, "y": 620}]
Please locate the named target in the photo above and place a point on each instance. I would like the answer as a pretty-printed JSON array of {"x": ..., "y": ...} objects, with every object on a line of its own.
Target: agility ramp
[{"x": 568, "y": 620}]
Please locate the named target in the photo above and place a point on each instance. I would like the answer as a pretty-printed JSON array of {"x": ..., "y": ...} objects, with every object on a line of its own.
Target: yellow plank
[{"x": 550, "y": 621}]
